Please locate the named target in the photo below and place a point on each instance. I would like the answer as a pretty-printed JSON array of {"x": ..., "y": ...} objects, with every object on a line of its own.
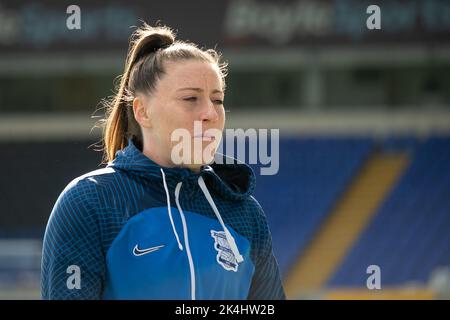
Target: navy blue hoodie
[{"x": 136, "y": 230}]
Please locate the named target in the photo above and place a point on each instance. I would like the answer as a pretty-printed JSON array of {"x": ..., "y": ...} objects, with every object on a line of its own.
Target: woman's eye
[{"x": 194, "y": 99}]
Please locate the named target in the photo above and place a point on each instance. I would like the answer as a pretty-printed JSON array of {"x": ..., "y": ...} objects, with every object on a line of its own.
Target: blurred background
[{"x": 364, "y": 119}]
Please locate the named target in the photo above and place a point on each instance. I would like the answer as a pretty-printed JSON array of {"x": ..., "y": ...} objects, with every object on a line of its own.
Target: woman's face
[{"x": 189, "y": 93}]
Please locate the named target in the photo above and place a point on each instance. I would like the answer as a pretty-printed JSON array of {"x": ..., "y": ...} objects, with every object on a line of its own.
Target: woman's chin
[{"x": 196, "y": 164}]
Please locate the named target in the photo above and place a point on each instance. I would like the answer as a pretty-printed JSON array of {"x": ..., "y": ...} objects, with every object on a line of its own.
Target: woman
[{"x": 146, "y": 226}]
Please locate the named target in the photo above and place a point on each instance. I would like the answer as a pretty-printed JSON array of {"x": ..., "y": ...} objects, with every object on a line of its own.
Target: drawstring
[
  {"x": 186, "y": 239},
  {"x": 169, "y": 211},
  {"x": 228, "y": 235}
]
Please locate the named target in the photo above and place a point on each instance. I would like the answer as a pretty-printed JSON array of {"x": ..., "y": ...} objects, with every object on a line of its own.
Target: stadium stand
[
  {"x": 409, "y": 236},
  {"x": 314, "y": 171}
]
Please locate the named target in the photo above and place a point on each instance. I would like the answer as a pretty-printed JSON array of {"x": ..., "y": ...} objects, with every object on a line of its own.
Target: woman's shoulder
[
  {"x": 259, "y": 215},
  {"x": 98, "y": 178},
  {"x": 86, "y": 187}
]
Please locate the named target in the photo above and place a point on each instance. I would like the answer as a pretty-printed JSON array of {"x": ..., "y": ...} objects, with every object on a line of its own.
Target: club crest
[{"x": 225, "y": 256}]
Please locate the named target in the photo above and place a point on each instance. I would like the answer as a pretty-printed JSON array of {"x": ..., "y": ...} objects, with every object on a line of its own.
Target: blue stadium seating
[
  {"x": 313, "y": 173},
  {"x": 410, "y": 234}
]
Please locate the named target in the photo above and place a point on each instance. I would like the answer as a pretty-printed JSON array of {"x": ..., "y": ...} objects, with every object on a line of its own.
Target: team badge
[{"x": 225, "y": 256}]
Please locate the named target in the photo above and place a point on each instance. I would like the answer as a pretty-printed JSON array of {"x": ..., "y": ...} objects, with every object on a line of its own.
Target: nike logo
[{"x": 140, "y": 252}]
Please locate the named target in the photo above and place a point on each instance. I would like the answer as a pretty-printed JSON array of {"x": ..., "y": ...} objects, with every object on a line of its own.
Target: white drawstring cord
[
  {"x": 186, "y": 240},
  {"x": 169, "y": 211},
  {"x": 228, "y": 235}
]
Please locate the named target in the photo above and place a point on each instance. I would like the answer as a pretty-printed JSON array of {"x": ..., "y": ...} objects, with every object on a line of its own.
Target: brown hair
[{"x": 149, "y": 48}]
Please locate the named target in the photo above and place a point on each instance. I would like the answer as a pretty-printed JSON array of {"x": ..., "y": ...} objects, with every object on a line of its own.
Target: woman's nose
[{"x": 209, "y": 112}]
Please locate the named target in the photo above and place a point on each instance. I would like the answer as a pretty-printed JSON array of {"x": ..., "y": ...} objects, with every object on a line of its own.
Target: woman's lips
[{"x": 206, "y": 137}]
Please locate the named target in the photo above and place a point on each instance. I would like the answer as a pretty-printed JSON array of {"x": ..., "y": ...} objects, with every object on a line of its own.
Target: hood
[
  {"x": 226, "y": 177},
  {"x": 233, "y": 181}
]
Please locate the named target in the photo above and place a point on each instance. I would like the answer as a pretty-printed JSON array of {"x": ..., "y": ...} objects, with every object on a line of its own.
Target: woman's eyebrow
[{"x": 199, "y": 90}]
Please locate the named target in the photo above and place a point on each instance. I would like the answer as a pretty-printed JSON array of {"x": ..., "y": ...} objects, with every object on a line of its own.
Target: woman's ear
[{"x": 140, "y": 111}]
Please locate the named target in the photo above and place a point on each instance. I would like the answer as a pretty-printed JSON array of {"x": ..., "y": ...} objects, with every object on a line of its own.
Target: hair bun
[
  {"x": 151, "y": 39},
  {"x": 159, "y": 41}
]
